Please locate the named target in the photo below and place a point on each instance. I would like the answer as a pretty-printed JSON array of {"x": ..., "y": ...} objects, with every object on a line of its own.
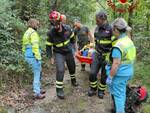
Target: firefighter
[
  {"x": 60, "y": 37},
  {"x": 103, "y": 44},
  {"x": 64, "y": 19},
  {"x": 120, "y": 68},
  {"x": 84, "y": 37},
  {"x": 31, "y": 51}
]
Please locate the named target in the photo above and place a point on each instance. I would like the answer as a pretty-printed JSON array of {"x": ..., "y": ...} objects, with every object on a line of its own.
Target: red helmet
[{"x": 55, "y": 16}]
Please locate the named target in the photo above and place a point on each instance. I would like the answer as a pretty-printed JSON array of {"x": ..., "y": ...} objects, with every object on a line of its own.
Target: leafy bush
[
  {"x": 143, "y": 49},
  {"x": 142, "y": 67},
  {"x": 11, "y": 31}
]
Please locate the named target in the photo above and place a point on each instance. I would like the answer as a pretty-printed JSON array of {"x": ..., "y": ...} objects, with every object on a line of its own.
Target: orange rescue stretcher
[{"x": 83, "y": 59}]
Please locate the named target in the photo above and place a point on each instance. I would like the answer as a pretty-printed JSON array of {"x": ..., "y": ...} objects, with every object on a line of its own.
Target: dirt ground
[{"x": 76, "y": 98}]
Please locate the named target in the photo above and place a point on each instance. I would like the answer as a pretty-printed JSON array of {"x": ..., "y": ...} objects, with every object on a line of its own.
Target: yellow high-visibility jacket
[{"x": 32, "y": 39}]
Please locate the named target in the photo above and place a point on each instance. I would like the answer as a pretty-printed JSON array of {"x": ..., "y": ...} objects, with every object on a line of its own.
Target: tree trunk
[
  {"x": 130, "y": 19},
  {"x": 130, "y": 23},
  {"x": 114, "y": 12},
  {"x": 147, "y": 23}
]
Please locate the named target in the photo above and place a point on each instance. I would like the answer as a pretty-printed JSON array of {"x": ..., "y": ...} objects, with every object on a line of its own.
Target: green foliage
[
  {"x": 139, "y": 18},
  {"x": 146, "y": 108},
  {"x": 83, "y": 10},
  {"x": 142, "y": 74},
  {"x": 11, "y": 29},
  {"x": 143, "y": 49},
  {"x": 142, "y": 15},
  {"x": 27, "y": 8},
  {"x": 2, "y": 110},
  {"x": 142, "y": 65}
]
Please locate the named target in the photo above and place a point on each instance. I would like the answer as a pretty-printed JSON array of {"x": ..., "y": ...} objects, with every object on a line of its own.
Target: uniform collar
[
  {"x": 104, "y": 26},
  {"x": 64, "y": 27},
  {"x": 122, "y": 35}
]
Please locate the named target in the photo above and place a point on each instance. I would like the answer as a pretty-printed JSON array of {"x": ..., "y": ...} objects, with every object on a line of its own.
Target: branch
[
  {"x": 54, "y": 6},
  {"x": 100, "y": 4}
]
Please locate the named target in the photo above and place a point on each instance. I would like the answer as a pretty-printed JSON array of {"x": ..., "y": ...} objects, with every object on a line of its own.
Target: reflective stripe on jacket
[
  {"x": 61, "y": 41},
  {"x": 60, "y": 44}
]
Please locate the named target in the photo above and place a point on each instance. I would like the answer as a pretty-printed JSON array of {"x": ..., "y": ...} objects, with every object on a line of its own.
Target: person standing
[
  {"x": 103, "y": 44},
  {"x": 31, "y": 50},
  {"x": 84, "y": 37},
  {"x": 120, "y": 68},
  {"x": 60, "y": 38}
]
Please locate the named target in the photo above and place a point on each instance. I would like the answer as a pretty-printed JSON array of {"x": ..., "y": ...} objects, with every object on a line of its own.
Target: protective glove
[
  {"x": 109, "y": 80},
  {"x": 38, "y": 62},
  {"x": 107, "y": 68}
]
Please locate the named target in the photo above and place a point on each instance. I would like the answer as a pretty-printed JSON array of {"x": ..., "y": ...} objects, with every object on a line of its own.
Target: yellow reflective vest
[
  {"x": 31, "y": 38},
  {"x": 127, "y": 48}
]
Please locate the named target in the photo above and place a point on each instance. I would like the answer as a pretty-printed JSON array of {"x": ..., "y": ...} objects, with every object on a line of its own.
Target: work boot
[
  {"x": 100, "y": 94},
  {"x": 60, "y": 93},
  {"x": 92, "y": 91},
  {"x": 74, "y": 82},
  {"x": 82, "y": 67},
  {"x": 112, "y": 110},
  {"x": 42, "y": 91},
  {"x": 40, "y": 96}
]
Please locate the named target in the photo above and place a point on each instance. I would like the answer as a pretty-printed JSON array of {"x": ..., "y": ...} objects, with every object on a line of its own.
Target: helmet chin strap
[{"x": 58, "y": 27}]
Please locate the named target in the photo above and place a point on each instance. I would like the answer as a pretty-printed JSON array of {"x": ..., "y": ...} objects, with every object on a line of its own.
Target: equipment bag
[{"x": 135, "y": 96}]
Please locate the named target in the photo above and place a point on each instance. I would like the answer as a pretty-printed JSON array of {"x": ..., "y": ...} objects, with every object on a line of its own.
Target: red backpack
[{"x": 135, "y": 96}]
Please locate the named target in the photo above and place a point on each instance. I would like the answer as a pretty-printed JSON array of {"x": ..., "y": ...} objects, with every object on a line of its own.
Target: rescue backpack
[{"x": 135, "y": 96}]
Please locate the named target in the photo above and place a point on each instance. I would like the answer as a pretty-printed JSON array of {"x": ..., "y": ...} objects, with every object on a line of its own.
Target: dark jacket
[
  {"x": 102, "y": 35},
  {"x": 55, "y": 39}
]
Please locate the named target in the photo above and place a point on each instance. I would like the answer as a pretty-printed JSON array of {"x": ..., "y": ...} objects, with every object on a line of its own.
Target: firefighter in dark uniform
[
  {"x": 84, "y": 37},
  {"x": 103, "y": 44},
  {"x": 60, "y": 37}
]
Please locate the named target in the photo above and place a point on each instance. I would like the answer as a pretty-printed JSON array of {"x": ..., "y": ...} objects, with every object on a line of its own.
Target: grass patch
[
  {"x": 142, "y": 73},
  {"x": 142, "y": 77},
  {"x": 146, "y": 108},
  {"x": 2, "y": 110}
]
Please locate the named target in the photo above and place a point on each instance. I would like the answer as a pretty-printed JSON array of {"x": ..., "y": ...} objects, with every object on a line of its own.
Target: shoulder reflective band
[
  {"x": 104, "y": 41},
  {"x": 49, "y": 43},
  {"x": 72, "y": 35},
  {"x": 60, "y": 44}
]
